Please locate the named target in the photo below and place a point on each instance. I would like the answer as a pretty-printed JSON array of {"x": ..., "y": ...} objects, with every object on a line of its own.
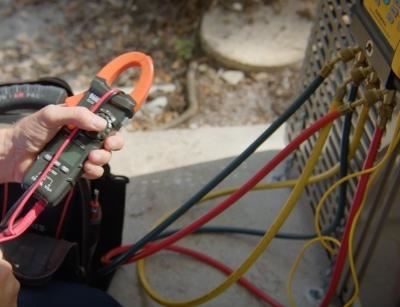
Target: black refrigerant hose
[
  {"x": 235, "y": 163},
  {"x": 344, "y": 151}
]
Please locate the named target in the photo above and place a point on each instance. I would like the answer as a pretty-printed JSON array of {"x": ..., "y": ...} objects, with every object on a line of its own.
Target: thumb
[
  {"x": 54, "y": 116},
  {"x": 1, "y": 254}
]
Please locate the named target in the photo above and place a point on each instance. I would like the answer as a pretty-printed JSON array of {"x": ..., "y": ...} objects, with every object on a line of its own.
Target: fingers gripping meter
[{"x": 115, "y": 110}]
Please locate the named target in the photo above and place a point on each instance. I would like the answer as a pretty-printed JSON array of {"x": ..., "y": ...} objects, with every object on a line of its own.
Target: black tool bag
[{"x": 67, "y": 241}]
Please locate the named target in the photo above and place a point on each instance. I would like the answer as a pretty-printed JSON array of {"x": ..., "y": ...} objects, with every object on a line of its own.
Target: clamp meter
[
  {"x": 376, "y": 28},
  {"x": 115, "y": 110},
  {"x": 68, "y": 168}
]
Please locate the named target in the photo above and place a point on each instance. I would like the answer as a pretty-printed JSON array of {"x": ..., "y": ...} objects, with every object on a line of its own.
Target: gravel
[
  {"x": 253, "y": 101},
  {"x": 73, "y": 39}
]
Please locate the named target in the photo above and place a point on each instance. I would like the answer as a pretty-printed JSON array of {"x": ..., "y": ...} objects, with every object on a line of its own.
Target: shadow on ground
[{"x": 175, "y": 276}]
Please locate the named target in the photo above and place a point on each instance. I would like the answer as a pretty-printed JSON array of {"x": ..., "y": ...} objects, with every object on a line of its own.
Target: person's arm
[
  {"x": 19, "y": 146},
  {"x": 21, "y": 142},
  {"x": 9, "y": 285},
  {"x": 5, "y": 149}
]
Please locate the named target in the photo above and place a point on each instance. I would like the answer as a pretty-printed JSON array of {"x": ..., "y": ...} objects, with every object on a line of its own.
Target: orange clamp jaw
[{"x": 116, "y": 67}]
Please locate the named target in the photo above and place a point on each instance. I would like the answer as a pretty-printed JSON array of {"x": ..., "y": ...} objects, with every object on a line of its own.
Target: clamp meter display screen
[{"x": 72, "y": 155}]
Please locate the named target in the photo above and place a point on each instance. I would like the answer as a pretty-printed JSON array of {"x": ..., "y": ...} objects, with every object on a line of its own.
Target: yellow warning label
[{"x": 386, "y": 14}]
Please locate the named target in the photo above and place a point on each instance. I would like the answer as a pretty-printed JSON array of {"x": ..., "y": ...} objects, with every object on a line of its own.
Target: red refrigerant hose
[
  {"x": 357, "y": 201},
  {"x": 227, "y": 270},
  {"x": 284, "y": 153}
]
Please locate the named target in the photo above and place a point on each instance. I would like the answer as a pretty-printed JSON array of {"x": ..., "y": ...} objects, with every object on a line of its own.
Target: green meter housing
[{"x": 69, "y": 167}]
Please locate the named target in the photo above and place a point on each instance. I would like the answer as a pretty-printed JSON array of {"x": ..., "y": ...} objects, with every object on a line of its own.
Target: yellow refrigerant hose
[
  {"x": 375, "y": 170},
  {"x": 355, "y": 143},
  {"x": 263, "y": 243}
]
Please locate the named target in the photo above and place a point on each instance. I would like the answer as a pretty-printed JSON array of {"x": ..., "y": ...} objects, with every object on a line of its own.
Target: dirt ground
[{"x": 73, "y": 39}]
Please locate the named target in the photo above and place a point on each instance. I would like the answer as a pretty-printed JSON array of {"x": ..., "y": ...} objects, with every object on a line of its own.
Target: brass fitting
[
  {"x": 386, "y": 109},
  {"x": 348, "y": 54},
  {"x": 343, "y": 55},
  {"x": 372, "y": 96},
  {"x": 373, "y": 81},
  {"x": 359, "y": 74},
  {"x": 361, "y": 59},
  {"x": 327, "y": 69},
  {"x": 341, "y": 92},
  {"x": 351, "y": 107}
]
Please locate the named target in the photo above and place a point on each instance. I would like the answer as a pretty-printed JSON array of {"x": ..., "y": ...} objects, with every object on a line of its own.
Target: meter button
[
  {"x": 48, "y": 157},
  {"x": 57, "y": 164},
  {"x": 64, "y": 169},
  {"x": 392, "y": 14}
]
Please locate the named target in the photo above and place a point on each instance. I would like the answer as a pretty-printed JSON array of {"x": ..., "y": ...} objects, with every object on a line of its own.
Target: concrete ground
[
  {"x": 264, "y": 37},
  {"x": 165, "y": 169}
]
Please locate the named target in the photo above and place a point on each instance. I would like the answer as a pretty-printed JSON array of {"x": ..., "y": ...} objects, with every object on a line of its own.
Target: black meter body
[{"x": 69, "y": 167}]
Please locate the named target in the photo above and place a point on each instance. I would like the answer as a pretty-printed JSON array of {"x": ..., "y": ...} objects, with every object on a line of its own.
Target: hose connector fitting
[
  {"x": 348, "y": 54},
  {"x": 374, "y": 95},
  {"x": 359, "y": 74}
]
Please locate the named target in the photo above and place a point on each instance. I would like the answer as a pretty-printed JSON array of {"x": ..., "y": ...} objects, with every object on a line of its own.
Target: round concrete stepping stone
[{"x": 256, "y": 39}]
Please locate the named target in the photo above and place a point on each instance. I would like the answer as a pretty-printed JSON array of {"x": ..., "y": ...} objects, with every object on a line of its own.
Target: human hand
[
  {"x": 26, "y": 138},
  {"x": 9, "y": 285}
]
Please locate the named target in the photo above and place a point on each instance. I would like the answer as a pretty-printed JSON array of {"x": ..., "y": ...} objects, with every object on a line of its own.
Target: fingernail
[{"x": 99, "y": 123}]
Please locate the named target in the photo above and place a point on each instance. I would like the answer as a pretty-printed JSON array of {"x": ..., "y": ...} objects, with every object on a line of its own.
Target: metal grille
[{"x": 329, "y": 34}]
